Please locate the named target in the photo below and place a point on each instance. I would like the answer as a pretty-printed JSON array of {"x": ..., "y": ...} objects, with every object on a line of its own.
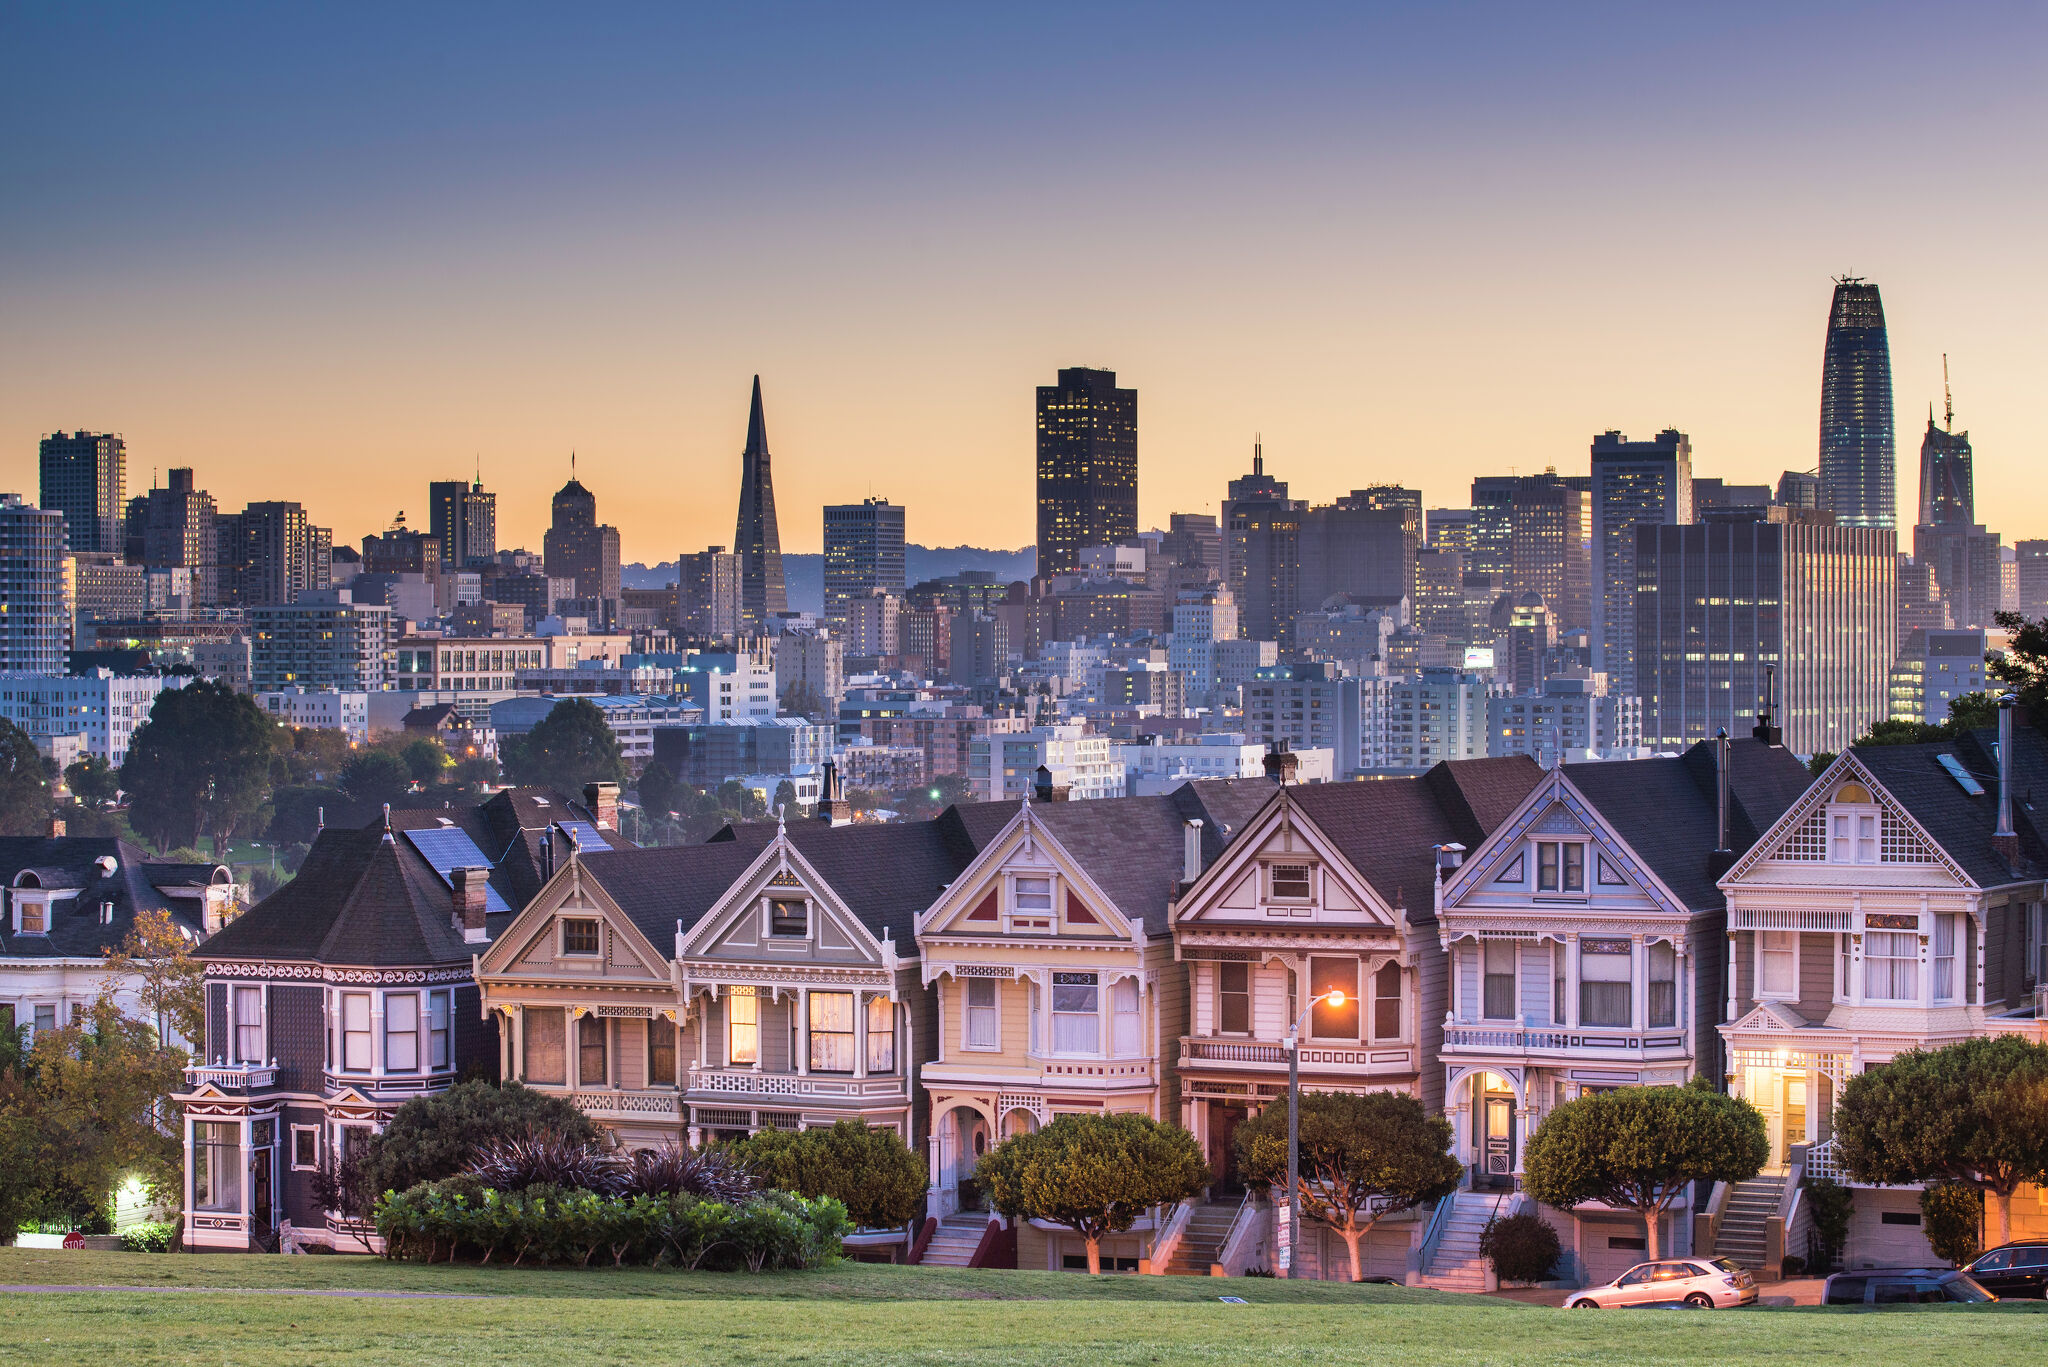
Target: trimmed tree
[
  {"x": 1975, "y": 1112},
  {"x": 1095, "y": 1174},
  {"x": 200, "y": 765},
  {"x": 569, "y": 747},
  {"x": 1363, "y": 1158},
  {"x": 872, "y": 1172},
  {"x": 1638, "y": 1148},
  {"x": 435, "y": 1137}
]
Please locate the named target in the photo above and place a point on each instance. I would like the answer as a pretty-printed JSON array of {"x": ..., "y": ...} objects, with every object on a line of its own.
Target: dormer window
[
  {"x": 1289, "y": 882},
  {"x": 1560, "y": 866},
  {"x": 1852, "y": 826},
  {"x": 1031, "y": 904},
  {"x": 31, "y": 917},
  {"x": 579, "y": 935},
  {"x": 789, "y": 918}
]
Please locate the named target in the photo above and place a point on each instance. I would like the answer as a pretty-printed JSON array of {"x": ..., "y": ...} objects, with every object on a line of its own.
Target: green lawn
[{"x": 861, "y": 1314}]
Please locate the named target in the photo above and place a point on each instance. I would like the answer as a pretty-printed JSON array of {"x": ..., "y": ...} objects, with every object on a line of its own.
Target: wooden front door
[
  {"x": 1497, "y": 1155},
  {"x": 1223, "y": 1122}
]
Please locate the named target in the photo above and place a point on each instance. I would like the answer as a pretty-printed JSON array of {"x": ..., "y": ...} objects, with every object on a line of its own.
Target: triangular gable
[
  {"x": 1800, "y": 835},
  {"x": 1768, "y": 1017},
  {"x": 972, "y": 904},
  {"x": 1555, "y": 807},
  {"x": 1229, "y": 890},
  {"x": 527, "y": 946},
  {"x": 734, "y": 929}
]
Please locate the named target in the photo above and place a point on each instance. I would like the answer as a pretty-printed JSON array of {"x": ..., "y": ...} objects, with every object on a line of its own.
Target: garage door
[{"x": 1608, "y": 1248}]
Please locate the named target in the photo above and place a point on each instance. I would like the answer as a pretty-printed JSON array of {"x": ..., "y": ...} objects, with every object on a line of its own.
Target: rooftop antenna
[
  {"x": 1948, "y": 402},
  {"x": 1258, "y": 454}
]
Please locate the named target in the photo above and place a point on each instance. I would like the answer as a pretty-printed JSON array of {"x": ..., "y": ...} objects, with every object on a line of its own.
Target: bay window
[
  {"x": 661, "y": 1053},
  {"x": 1777, "y": 965},
  {"x": 1386, "y": 1003},
  {"x": 1497, "y": 989},
  {"x": 743, "y": 1028},
  {"x": 831, "y": 1032},
  {"x": 1663, "y": 986},
  {"x": 1604, "y": 983},
  {"x": 1891, "y": 963},
  {"x": 590, "y": 1051},
  {"x": 1327, "y": 1020},
  {"x": 1233, "y": 999},
  {"x": 216, "y": 1165},
  {"x": 545, "y": 1033},
  {"x": 881, "y": 1035},
  {"x": 248, "y": 1025},
  {"x": 1945, "y": 958},
  {"x": 401, "y": 1032},
  {"x": 981, "y": 1013},
  {"x": 358, "y": 1046},
  {"x": 1125, "y": 1035},
  {"x": 1076, "y": 1014}
]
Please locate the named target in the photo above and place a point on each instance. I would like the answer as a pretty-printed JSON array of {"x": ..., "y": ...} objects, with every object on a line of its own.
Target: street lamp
[{"x": 1335, "y": 997}]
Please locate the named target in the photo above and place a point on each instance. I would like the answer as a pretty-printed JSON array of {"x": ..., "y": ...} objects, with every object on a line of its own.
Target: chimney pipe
[
  {"x": 1190, "y": 851},
  {"x": 1721, "y": 791},
  {"x": 2005, "y": 706},
  {"x": 468, "y": 885}
]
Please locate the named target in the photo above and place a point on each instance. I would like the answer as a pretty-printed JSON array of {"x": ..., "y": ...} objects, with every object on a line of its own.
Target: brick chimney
[
  {"x": 603, "y": 801},
  {"x": 56, "y": 831},
  {"x": 1282, "y": 763},
  {"x": 469, "y": 903},
  {"x": 833, "y": 808},
  {"x": 1045, "y": 789}
]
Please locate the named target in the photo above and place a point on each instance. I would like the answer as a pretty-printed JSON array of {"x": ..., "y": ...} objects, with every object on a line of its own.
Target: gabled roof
[
  {"x": 1387, "y": 828},
  {"x": 509, "y": 828},
  {"x": 1963, "y": 823},
  {"x": 1667, "y": 809},
  {"x": 72, "y": 861}
]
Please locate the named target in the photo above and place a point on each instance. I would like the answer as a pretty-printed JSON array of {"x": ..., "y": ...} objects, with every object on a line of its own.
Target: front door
[
  {"x": 1223, "y": 1122},
  {"x": 1497, "y": 1159},
  {"x": 259, "y": 1190},
  {"x": 973, "y": 1144},
  {"x": 1795, "y": 1117}
]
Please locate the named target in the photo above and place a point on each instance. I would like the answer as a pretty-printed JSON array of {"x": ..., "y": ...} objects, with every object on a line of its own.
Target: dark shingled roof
[
  {"x": 1960, "y": 823},
  {"x": 1388, "y": 828},
  {"x": 1667, "y": 808},
  {"x": 72, "y": 861}
]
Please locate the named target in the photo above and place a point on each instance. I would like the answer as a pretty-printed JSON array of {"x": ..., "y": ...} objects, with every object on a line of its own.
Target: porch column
[
  {"x": 1525, "y": 1121},
  {"x": 1571, "y": 980},
  {"x": 800, "y": 1037},
  {"x": 1856, "y": 962},
  {"x": 860, "y": 1033},
  {"x": 1974, "y": 923},
  {"x": 1734, "y": 1002},
  {"x": 1638, "y": 983},
  {"x": 1924, "y": 970}
]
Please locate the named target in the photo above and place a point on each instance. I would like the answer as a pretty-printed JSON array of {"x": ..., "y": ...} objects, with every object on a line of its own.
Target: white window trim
[
  {"x": 562, "y": 949},
  {"x": 236, "y": 1023},
  {"x": 1270, "y": 865},
  {"x": 1012, "y": 913},
  {"x": 755, "y": 1062},
  {"x": 1514, "y": 977},
  {"x": 1757, "y": 967},
  {"x": 1250, "y": 1000},
  {"x": 292, "y": 1153},
  {"x": 1854, "y": 810},
  {"x": 965, "y": 1009}
]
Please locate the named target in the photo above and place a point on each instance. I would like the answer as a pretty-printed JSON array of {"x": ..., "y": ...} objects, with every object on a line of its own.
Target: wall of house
[
  {"x": 920, "y": 1045},
  {"x": 1816, "y": 976},
  {"x": 1706, "y": 950},
  {"x": 1165, "y": 1019},
  {"x": 2005, "y": 958},
  {"x": 1430, "y": 976},
  {"x": 1044, "y": 1250}
]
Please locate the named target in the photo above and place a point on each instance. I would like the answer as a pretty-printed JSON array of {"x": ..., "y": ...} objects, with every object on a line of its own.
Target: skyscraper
[
  {"x": 863, "y": 552},
  {"x": 1858, "y": 452},
  {"x": 85, "y": 477},
  {"x": 463, "y": 517},
  {"x": 578, "y": 547},
  {"x": 1087, "y": 467},
  {"x": 708, "y": 594},
  {"x": 1947, "y": 492},
  {"x": 35, "y": 628},
  {"x": 755, "y": 540},
  {"x": 1256, "y": 487},
  {"x": 174, "y": 526},
  {"x": 1635, "y": 484},
  {"x": 266, "y": 555}
]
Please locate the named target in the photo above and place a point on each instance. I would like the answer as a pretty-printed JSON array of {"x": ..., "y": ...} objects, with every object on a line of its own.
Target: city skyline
[{"x": 569, "y": 276}]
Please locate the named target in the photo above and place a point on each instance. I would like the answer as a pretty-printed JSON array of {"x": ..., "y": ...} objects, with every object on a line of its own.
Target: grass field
[{"x": 861, "y": 1314}]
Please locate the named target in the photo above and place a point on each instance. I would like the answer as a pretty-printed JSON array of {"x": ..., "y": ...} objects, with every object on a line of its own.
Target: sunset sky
[{"x": 331, "y": 255}]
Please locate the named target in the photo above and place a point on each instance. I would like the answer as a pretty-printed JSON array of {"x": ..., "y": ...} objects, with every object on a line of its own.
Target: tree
[
  {"x": 200, "y": 765},
  {"x": 1095, "y": 1174},
  {"x": 297, "y": 814},
  {"x": 375, "y": 777},
  {"x": 872, "y": 1172},
  {"x": 426, "y": 761},
  {"x": 435, "y": 1137},
  {"x": 657, "y": 788},
  {"x": 802, "y": 699},
  {"x": 1362, "y": 1158},
  {"x": 474, "y": 773},
  {"x": 571, "y": 746},
  {"x": 93, "y": 781},
  {"x": 24, "y": 788},
  {"x": 785, "y": 799},
  {"x": 1975, "y": 1112},
  {"x": 1638, "y": 1148},
  {"x": 2024, "y": 664},
  {"x": 1965, "y": 713},
  {"x": 173, "y": 983}
]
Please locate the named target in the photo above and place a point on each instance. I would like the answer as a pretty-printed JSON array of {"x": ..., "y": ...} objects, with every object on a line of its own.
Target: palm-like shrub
[
  {"x": 541, "y": 1158},
  {"x": 1523, "y": 1248},
  {"x": 673, "y": 1170}
]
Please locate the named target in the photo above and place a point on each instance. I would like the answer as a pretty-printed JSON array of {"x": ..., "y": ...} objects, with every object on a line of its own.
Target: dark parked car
[
  {"x": 2015, "y": 1271},
  {"x": 1904, "y": 1286}
]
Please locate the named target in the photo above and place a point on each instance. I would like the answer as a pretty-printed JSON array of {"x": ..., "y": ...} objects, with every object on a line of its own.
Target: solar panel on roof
[
  {"x": 449, "y": 848},
  {"x": 1961, "y": 775},
  {"x": 588, "y": 838}
]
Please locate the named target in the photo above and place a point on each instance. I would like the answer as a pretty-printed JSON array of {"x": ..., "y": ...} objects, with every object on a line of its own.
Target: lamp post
[{"x": 1335, "y": 997}]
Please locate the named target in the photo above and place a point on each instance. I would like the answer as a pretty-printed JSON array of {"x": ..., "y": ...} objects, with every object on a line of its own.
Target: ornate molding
[{"x": 326, "y": 973}]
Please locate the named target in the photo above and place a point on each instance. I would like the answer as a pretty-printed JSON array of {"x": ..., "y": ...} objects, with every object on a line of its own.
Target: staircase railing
[
  {"x": 923, "y": 1239},
  {"x": 1168, "y": 1240},
  {"x": 1246, "y": 1240},
  {"x": 1825, "y": 1160},
  {"x": 1781, "y": 1220},
  {"x": 1432, "y": 1235},
  {"x": 1706, "y": 1224},
  {"x": 998, "y": 1246}
]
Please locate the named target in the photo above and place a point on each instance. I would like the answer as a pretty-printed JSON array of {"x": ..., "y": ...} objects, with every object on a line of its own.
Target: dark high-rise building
[
  {"x": 863, "y": 552},
  {"x": 1635, "y": 484},
  {"x": 578, "y": 547},
  {"x": 1268, "y": 534},
  {"x": 1948, "y": 493},
  {"x": 1799, "y": 489},
  {"x": 1194, "y": 541},
  {"x": 1721, "y": 602},
  {"x": 174, "y": 529},
  {"x": 1256, "y": 487},
  {"x": 1087, "y": 467},
  {"x": 267, "y": 555},
  {"x": 85, "y": 477},
  {"x": 755, "y": 539},
  {"x": 35, "y": 629},
  {"x": 708, "y": 594},
  {"x": 1362, "y": 546},
  {"x": 464, "y": 518},
  {"x": 1858, "y": 452}
]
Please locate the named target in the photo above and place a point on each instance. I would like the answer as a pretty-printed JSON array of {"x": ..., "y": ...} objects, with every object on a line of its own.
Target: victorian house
[
  {"x": 1897, "y": 905},
  {"x": 348, "y": 992},
  {"x": 1328, "y": 888},
  {"x": 1584, "y": 946},
  {"x": 1057, "y": 992}
]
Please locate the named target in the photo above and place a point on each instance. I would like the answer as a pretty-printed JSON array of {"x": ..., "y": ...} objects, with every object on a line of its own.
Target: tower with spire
[
  {"x": 1947, "y": 491},
  {"x": 755, "y": 540}
]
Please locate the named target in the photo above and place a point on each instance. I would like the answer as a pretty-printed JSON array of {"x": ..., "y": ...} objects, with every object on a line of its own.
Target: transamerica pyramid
[{"x": 756, "y": 541}]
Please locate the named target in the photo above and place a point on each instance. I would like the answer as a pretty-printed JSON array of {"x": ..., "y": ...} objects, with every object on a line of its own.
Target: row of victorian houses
[{"x": 1507, "y": 939}]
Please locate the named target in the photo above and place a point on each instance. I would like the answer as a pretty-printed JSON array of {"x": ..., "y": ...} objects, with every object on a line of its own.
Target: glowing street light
[{"x": 1335, "y": 997}]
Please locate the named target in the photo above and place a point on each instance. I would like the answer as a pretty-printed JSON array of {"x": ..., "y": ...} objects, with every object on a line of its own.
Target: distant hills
[{"x": 805, "y": 574}]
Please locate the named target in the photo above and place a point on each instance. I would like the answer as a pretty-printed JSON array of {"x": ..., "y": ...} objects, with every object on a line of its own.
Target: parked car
[
  {"x": 2014, "y": 1271},
  {"x": 1706, "y": 1283},
  {"x": 1904, "y": 1286}
]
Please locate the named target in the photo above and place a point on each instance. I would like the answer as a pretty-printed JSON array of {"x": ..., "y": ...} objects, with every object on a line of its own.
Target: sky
[{"x": 331, "y": 253}]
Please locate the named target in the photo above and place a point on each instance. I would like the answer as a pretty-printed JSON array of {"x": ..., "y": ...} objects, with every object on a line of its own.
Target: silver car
[{"x": 1706, "y": 1283}]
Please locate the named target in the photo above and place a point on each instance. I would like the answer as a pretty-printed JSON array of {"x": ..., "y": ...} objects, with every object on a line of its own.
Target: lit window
[
  {"x": 1076, "y": 1014},
  {"x": 743, "y": 1029},
  {"x": 1777, "y": 964},
  {"x": 981, "y": 1013}
]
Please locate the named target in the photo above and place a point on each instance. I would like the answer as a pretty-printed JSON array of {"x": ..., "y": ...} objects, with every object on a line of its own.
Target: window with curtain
[
  {"x": 1327, "y": 1021},
  {"x": 358, "y": 1046},
  {"x": 831, "y": 1032},
  {"x": 743, "y": 1028},
  {"x": 1604, "y": 982},
  {"x": 401, "y": 1032},
  {"x": 1663, "y": 986},
  {"x": 1233, "y": 999},
  {"x": 881, "y": 1035},
  {"x": 1386, "y": 1003},
  {"x": 1076, "y": 1014},
  {"x": 1546, "y": 866},
  {"x": 1497, "y": 997},
  {"x": 790, "y": 918},
  {"x": 216, "y": 1165},
  {"x": 546, "y": 1037},
  {"x": 590, "y": 1048},
  {"x": 1945, "y": 958},
  {"x": 1574, "y": 866},
  {"x": 1558, "y": 968},
  {"x": 981, "y": 1013},
  {"x": 1854, "y": 837},
  {"x": 1125, "y": 1035},
  {"x": 661, "y": 1053},
  {"x": 1891, "y": 962},
  {"x": 438, "y": 1035},
  {"x": 248, "y": 1025},
  {"x": 1777, "y": 964}
]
